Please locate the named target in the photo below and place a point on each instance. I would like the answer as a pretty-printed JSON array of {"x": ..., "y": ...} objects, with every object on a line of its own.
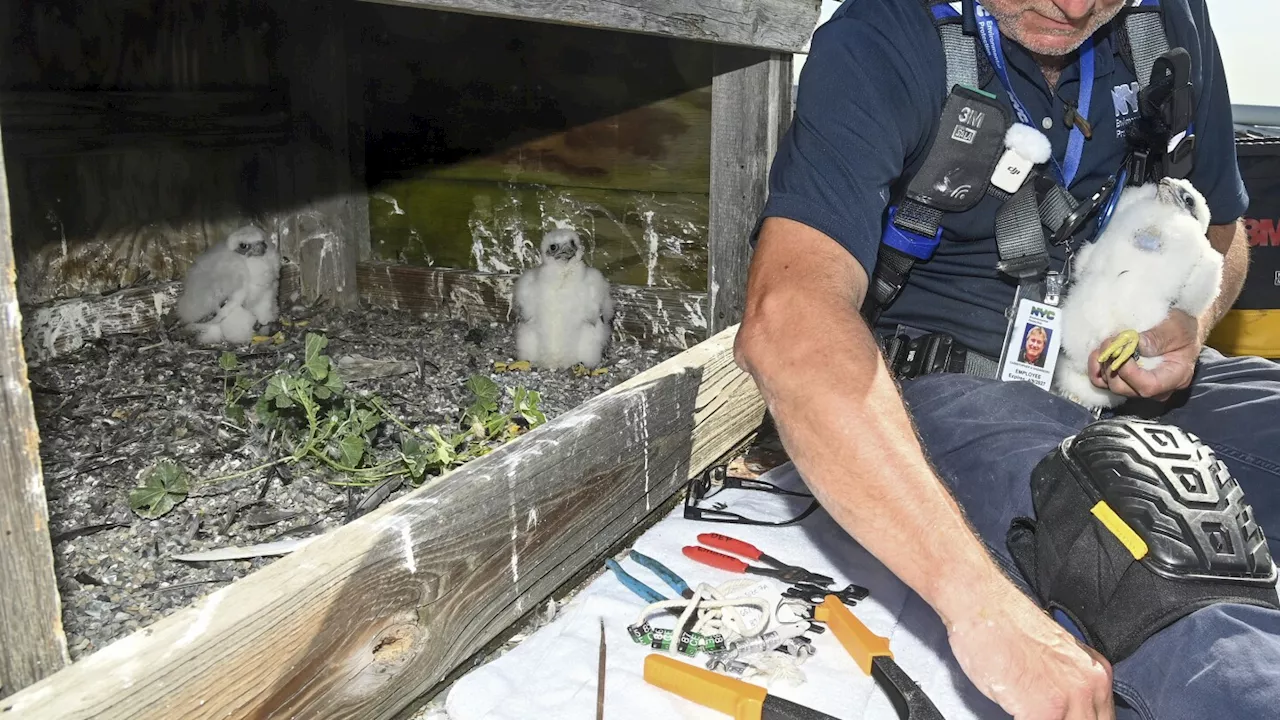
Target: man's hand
[
  {"x": 843, "y": 423},
  {"x": 1026, "y": 663},
  {"x": 1177, "y": 340}
]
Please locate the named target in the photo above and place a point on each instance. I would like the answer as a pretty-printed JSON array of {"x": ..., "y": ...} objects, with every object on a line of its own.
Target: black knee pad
[{"x": 1138, "y": 524}]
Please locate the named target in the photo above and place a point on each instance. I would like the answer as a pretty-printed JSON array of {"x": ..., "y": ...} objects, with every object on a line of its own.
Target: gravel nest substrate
[{"x": 115, "y": 407}]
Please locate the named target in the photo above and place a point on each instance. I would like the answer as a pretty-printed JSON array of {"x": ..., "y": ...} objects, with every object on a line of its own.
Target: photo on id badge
[{"x": 1033, "y": 344}]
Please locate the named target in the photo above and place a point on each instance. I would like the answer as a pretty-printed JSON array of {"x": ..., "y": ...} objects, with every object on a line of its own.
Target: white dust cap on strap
[
  {"x": 1028, "y": 142},
  {"x": 1027, "y": 147}
]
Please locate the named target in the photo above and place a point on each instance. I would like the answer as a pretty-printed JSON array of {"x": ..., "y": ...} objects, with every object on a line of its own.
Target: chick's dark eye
[
  {"x": 553, "y": 246},
  {"x": 244, "y": 246},
  {"x": 1188, "y": 201}
]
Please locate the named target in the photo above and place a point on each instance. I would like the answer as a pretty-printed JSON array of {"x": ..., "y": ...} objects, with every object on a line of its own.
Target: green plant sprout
[{"x": 320, "y": 421}]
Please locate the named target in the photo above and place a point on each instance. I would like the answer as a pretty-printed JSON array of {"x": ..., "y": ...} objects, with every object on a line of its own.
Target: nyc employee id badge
[{"x": 1031, "y": 343}]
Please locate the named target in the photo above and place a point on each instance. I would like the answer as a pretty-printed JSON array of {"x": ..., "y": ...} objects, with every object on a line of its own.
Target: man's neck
[{"x": 1052, "y": 67}]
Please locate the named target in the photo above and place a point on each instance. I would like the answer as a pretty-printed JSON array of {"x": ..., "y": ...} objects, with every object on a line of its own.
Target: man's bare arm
[
  {"x": 841, "y": 418},
  {"x": 844, "y": 425},
  {"x": 1232, "y": 241}
]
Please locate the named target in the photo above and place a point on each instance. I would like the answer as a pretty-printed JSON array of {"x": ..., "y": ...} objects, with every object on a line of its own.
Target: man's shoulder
[
  {"x": 897, "y": 34},
  {"x": 1187, "y": 21},
  {"x": 900, "y": 21}
]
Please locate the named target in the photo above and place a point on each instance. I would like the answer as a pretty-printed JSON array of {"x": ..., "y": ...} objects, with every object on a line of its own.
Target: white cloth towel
[{"x": 552, "y": 674}]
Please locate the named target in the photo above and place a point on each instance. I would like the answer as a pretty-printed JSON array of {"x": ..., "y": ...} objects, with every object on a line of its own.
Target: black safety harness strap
[
  {"x": 1040, "y": 212},
  {"x": 970, "y": 135}
]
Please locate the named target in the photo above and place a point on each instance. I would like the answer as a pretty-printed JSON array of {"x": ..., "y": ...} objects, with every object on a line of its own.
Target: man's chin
[{"x": 1051, "y": 43}]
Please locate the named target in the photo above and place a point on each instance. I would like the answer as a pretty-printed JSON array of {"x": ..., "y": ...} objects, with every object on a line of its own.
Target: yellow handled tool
[
  {"x": 731, "y": 696},
  {"x": 858, "y": 640},
  {"x": 872, "y": 654}
]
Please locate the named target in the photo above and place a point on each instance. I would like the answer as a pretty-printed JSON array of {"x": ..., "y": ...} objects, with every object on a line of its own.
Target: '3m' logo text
[{"x": 1263, "y": 232}]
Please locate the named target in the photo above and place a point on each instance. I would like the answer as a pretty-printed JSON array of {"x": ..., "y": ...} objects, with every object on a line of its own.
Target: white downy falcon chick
[
  {"x": 236, "y": 283},
  {"x": 1153, "y": 256},
  {"x": 566, "y": 311}
]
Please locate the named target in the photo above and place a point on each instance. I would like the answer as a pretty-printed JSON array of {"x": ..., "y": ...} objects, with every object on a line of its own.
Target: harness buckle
[
  {"x": 914, "y": 244},
  {"x": 928, "y": 354}
]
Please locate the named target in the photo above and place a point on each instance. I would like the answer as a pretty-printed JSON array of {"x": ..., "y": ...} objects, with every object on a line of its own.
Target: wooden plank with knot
[{"x": 368, "y": 617}]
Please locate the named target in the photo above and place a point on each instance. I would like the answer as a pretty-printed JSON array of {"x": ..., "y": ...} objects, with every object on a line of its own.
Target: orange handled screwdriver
[
  {"x": 731, "y": 696},
  {"x": 872, "y": 654}
]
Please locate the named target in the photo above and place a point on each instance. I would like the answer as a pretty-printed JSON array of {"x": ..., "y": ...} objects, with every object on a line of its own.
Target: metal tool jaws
[{"x": 907, "y": 698}]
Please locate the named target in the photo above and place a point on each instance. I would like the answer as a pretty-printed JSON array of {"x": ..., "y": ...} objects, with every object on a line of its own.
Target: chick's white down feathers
[
  {"x": 565, "y": 307},
  {"x": 1154, "y": 256},
  {"x": 231, "y": 288}
]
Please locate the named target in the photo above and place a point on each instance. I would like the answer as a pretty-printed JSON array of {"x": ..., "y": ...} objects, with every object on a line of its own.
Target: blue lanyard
[{"x": 990, "y": 35}]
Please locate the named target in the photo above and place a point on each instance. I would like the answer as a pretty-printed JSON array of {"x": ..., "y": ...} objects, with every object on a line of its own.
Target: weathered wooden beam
[
  {"x": 750, "y": 111},
  {"x": 32, "y": 644},
  {"x": 325, "y": 236},
  {"x": 85, "y": 121},
  {"x": 67, "y": 325},
  {"x": 369, "y": 616},
  {"x": 782, "y": 25},
  {"x": 652, "y": 317}
]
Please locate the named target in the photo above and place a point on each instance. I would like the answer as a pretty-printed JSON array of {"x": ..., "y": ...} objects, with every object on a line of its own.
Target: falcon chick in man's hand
[
  {"x": 236, "y": 282},
  {"x": 1154, "y": 256},
  {"x": 565, "y": 307}
]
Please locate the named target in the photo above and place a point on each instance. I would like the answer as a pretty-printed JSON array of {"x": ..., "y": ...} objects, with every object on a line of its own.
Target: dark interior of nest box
[{"x": 137, "y": 133}]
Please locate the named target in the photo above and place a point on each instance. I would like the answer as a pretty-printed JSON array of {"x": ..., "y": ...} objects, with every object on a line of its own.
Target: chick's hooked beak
[
  {"x": 1171, "y": 193},
  {"x": 563, "y": 251}
]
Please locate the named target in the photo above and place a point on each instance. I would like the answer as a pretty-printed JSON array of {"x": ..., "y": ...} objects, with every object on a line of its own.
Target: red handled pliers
[{"x": 780, "y": 570}]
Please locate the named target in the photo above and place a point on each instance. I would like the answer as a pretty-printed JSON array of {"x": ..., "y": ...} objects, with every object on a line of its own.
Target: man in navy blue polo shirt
[{"x": 869, "y": 101}]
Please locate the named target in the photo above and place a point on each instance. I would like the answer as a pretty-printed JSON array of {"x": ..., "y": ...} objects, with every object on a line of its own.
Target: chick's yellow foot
[{"x": 1124, "y": 347}]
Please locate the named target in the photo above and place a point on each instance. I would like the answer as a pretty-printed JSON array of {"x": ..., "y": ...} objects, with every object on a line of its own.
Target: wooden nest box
[{"x": 404, "y": 155}]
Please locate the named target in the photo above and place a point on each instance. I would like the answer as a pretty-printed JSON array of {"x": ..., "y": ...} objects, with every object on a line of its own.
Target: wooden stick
[
  {"x": 371, "y": 615},
  {"x": 32, "y": 644}
]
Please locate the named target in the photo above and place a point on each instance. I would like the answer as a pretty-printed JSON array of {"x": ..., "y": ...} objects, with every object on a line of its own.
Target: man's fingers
[
  {"x": 1177, "y": 331},
  {"x": 1157, "y": 383},
  {"x": 1156, "y": 341},
  {"x": 1104, "y": 705},
  {"x": 1102, "y": 377}
]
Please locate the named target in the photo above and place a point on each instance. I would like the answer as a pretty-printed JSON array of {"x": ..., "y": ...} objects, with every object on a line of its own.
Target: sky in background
[{"x": 1247, "y": 32}]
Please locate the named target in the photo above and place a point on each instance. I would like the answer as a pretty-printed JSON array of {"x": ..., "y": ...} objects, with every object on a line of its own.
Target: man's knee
[
  {"x": 1138, "y": 524},
  {"x": 1217, "y": 662}
]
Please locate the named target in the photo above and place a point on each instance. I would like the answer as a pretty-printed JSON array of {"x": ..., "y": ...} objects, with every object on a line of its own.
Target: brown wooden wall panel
[
  {"x": 142, "y": 130},
  {"x": 74, "y": 122}
]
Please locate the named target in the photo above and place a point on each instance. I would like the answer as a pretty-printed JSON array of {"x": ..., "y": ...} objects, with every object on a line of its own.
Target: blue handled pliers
[{"x": 644, "y": 591}]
